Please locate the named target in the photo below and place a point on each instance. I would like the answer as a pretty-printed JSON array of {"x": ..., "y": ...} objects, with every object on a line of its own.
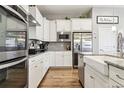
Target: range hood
[{"x": 32, "y": 21}]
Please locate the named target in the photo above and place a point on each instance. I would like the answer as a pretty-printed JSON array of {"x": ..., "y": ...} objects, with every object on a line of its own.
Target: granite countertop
[
  {"x": 113, "y": 59},
  {"x": 117, "y": 62}
]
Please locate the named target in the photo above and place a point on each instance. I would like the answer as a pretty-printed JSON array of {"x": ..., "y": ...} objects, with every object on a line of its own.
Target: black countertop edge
[
  {"x": 115, "y": 65},
  {"x": 33, "y": 55}
]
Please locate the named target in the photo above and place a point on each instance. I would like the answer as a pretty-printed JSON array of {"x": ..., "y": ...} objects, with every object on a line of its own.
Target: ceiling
[{"x": 61, "y": 11}]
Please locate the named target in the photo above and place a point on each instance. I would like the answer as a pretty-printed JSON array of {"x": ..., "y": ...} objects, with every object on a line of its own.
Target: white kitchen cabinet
[
  {"x": 25, "y": 8},
  {"x": 36, "y": 32},
  {"x": 52, "y": 59},
  {"x": 114, "y": 84},
  {"x": 53, "y": 33},
  {"x": 81, "y": 25},
  {"x": 46, "y": 29},
  {"x": 67, "y": 59},
  {"x": 64, "y": 58},
  {"x": 89, "y": 79},
  {"x": 59, "y": 59},
  {"x": 35, "y": 71},
  {"x": 93, "y": 79},
  {"x": 63, "y": 25},
  {"x": 38, "y": 66},
  {"x": 117, "y": 75}
]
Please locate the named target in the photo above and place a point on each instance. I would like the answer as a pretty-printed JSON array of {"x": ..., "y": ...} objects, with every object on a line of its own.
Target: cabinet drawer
[
  {"x": 117, "y": 74},
  {"x": 114, "y": 84}
]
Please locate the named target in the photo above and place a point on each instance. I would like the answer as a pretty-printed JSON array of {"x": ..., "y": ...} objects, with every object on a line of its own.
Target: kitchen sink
[{"x": 97, "y": 63}]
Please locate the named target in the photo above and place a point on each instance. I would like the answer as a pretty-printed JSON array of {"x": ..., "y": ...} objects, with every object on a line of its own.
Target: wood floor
[{"x": 61, "y": 78}]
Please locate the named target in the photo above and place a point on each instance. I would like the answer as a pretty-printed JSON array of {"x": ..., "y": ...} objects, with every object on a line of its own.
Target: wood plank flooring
[{"x": 61, "y": 78}]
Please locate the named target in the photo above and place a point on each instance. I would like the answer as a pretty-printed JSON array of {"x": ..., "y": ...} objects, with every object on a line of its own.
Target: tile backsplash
[{"x": 59, "y": 46}]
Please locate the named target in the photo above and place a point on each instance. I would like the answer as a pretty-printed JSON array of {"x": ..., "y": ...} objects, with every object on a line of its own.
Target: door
[
  {"x": 107, "y": 40},
  {"x": 13, "y": 74}
]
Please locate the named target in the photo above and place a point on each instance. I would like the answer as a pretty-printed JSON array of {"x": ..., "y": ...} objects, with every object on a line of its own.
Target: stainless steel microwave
[{"x": 64, "y": 36}]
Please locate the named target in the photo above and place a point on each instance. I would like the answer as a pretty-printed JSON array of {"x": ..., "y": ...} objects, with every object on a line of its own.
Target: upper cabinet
[
  {"x": 63, "y": 25},
  {"x": 53, "y": 35},
  {"x": 36, "y": 32},
  {"x": 81, "y": 25},
  {"x": 25, "y": 8},
  {"x": 34, "y": 11},
  {"x": 46, "y": 34}
]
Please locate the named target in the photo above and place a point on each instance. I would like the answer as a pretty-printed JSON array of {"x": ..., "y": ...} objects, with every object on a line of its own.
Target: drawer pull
[
  {"x": 119, "y": 77},
  {"x": 91, "y": 77}
]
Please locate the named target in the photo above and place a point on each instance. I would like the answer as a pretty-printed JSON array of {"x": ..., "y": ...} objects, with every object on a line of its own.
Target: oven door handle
[{"x": 13, "y": 63}]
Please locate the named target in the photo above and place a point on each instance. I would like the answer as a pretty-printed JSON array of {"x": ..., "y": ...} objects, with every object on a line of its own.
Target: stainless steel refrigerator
[{"x": 82, "y": 42}]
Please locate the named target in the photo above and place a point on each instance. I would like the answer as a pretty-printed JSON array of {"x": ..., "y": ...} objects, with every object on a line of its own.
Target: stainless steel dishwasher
[{"x": 81, "y": 66}]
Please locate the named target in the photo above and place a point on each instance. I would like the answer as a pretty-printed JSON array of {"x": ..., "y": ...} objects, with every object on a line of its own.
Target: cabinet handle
[
  {"x": 33, "y": 61},
  {"x": 119, "y": 77},
  {"x": 91, "y": 77}
]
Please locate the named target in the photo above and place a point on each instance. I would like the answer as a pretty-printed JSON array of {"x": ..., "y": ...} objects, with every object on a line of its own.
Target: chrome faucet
[{"x": 120, "y": 44}]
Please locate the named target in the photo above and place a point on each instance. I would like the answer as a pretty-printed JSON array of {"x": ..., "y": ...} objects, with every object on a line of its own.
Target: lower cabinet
[
  {"x": 38, "y": 67},
  {"x": 116, "y": 77},
  {"x": 63, "y": 59},
  {"x": 94, "y": 79},
  {"x": 52, "y": 56}
]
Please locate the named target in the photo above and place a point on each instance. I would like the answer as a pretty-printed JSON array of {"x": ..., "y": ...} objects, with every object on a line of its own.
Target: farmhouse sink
[{"x": 97, "y": 63}]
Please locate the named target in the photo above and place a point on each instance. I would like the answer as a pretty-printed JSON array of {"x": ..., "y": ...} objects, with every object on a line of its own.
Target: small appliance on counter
[{"x": 37, "y": 46}]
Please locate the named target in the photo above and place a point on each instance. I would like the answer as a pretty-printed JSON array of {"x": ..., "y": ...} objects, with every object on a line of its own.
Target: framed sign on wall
[{"x": 107, "y": 19}]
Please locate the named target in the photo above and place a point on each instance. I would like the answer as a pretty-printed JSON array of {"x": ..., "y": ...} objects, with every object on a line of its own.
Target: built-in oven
[
  {"x": 64, "y": 36},
  {"x": 13, "y": 48},
  {"x": 13, "y": 73},
  {"x": 13, "y": 33}
]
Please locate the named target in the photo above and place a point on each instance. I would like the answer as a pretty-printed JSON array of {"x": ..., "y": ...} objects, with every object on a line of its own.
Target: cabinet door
[
  {"x": 76, "y": 25},
  {"x": 33, "y": 72},
  {"x": 52, "y": 59},
  {"x": 81, "y": 25},
  {"x": 59, "y": 59},
  {"x": 63, "y": 25},
  {"x": 114, "y": 84},
  {"x": 99, "y": 83},
  {"x": 46, "y": 29},
  {"x": 67, "y": 59},
  {"x": 53, "y": 34},
  {"x": 25, "y": 8},
  {"x": 85, "y": 25},
  {"x": 89, "y": 78}
]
